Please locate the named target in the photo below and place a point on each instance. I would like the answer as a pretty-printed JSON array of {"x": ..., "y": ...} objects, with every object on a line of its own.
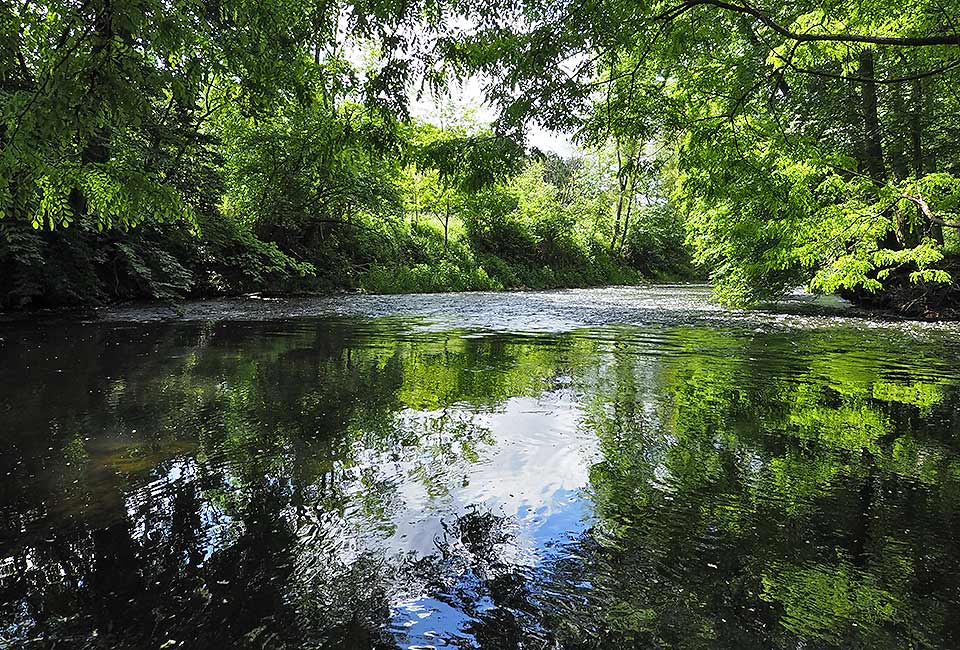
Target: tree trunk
[
  {"x": 626, "y": 217},
  {"x": 616, "y": 221},
  {"x": 96, "y": 148},
  {"x": 446, "y": 228},
  {"x": 899, "y": 161},
  {"x": 621, "y": 187},
  {"x": 873, "y": 144},
  {"x": 935, "y": 230},
  {"x": 873, "y": 147},
  {"x": 416, "y": 200},
  {"x": 916, "y": 126}
]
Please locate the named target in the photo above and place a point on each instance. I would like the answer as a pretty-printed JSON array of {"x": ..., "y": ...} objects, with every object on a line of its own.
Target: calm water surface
[{"x": 620, "y": 468}]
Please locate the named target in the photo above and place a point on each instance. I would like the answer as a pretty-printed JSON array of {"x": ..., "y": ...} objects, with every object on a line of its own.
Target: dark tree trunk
[
  {"x": 899, "y": 160},
  {"x": 626, "y": 216},
  {"x": 616, "y": 222},
  {"x": 873, "y": 147},
  {"x": 872, "y": 140},
  {"x": 96, "y": 148},
  {"x": 916, "y": 127}
]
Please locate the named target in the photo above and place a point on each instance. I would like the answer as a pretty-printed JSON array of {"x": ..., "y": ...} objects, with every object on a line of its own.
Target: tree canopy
[{"x": 808, "y": 143}]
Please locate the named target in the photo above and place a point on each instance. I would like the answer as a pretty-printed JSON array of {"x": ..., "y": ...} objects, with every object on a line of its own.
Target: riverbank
[
  {"x": 84, "y": 268},
  {"x": 906, "y": 298},
  {"x": 548, "y": 309},
  {"x": 533, "y": 310}
]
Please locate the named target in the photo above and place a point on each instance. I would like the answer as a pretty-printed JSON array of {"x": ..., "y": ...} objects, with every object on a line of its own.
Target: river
[{"x": 584, "y": 469}]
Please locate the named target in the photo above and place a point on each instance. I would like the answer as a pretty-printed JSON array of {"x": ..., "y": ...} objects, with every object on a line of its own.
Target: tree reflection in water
[{"x": 346, "y": 485}]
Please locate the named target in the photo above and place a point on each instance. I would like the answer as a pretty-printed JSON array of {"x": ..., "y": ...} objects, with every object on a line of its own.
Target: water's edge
[{"x": 262, "y": 307}]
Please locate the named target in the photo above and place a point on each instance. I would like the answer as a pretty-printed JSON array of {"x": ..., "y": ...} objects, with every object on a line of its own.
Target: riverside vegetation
[{"x": 165, "y": 149}]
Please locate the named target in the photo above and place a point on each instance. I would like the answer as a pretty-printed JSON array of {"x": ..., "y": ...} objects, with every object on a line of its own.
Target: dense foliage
[
  {"x": 803, "y": 143},
  {"x": 162, "y": 149},
  {"x": 165, "y": 148}
]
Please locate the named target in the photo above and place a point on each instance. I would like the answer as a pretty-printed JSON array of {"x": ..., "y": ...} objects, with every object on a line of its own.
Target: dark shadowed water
[{"x": 619, "y": 468}]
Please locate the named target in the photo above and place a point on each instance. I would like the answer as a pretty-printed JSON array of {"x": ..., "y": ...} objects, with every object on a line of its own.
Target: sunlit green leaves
[{"x": 765, "y": 130}]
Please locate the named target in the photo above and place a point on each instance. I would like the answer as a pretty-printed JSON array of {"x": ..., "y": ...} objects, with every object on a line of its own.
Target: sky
[{"x": 469, "y": 95}]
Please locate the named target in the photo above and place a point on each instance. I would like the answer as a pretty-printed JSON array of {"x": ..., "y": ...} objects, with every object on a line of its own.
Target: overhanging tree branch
[
  {"x": 927, "y": 212},
  {"x": 749, "y": 10},
  {"x": 880, "y": 80}
]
